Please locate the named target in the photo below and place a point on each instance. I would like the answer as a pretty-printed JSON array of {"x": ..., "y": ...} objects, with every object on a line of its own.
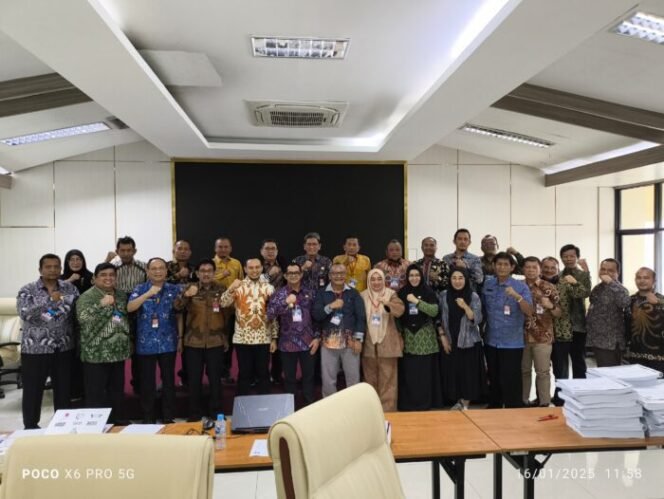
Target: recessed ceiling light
[
  {"x": 642, "y": 26},
  {"x": 306, "y": 48},
  {"x": 505, "y": 135},
  {"x": 55, "y": 134}
]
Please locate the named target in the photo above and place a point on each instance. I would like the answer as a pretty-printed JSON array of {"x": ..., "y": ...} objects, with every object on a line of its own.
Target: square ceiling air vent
[{"x": 298, "y": 114}]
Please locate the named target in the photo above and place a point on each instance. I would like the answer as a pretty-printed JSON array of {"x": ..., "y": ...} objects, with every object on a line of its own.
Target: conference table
[
  {"x": 445, "y": 438},
  {"x": 523, "y": 434}
]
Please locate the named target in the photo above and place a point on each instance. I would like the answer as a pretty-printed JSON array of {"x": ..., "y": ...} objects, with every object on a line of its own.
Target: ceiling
[{"x": 414, "y": 73}]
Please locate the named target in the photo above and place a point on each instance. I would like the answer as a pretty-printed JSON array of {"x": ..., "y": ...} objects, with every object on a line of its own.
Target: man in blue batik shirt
[
  {"x": 156, "y": 303},
  {"x": 507, "y": 302}
]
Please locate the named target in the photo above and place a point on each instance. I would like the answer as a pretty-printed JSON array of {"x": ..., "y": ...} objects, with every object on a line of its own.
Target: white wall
[
  {"x": 448, "y": 189},
  {"x": 87, "y": 201}
]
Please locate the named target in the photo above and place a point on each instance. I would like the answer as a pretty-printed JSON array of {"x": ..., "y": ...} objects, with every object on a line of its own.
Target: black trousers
[
  {"x": 104, "y": 386},
  {"x": 148, "y": 363},
  {"x": 560, "y": 363},
  {"x": 35, "y": 368},
  {"x": 253, "y": 362},
  {"x": 578, "y": 355},
  {"x": 289, "y": 361},
  {"x": 228, "y": 355},
  {"x": 505, "y": 382},
  {"x": 212, "y": 359}
]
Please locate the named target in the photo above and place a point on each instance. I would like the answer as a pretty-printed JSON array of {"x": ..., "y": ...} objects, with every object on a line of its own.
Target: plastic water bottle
[{"x": 220, "y": 432}]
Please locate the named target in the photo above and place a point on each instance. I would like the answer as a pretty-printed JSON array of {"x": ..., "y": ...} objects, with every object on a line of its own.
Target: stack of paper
[
  {"x": 601, "y": 407},
  {"x": 634, "y": 374},
  {"x": 652, "y": 400}
]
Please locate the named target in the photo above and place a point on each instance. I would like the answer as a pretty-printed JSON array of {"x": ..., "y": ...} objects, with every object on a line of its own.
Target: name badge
[
  {"x": 336, "y": 318},
  {"x": 321, "y": 282},
  {"x": 116, "y": 318},
  {"x": 353, "y": 283},
  {"x": 507, "y": 310},
  {"x": 539, "y": 309},
  {"x": 412, "y": 309},
  {"x": 297, "y": 314},
  {"x": 215, "y": 306},
  {"x": 375, "y": 319},
  {"x": 155, "y": 321},
  {"x": 47, "y": 316},
  {"x": 394, "y": 282}
]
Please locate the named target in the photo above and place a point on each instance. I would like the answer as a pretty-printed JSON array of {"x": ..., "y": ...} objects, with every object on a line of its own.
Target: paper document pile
[{"x": 601, "y": 407}]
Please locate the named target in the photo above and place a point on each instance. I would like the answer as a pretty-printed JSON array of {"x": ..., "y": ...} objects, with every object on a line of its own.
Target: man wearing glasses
[
  {"x": 298, "y": 340},
  {"x": 340, "y": 310}
]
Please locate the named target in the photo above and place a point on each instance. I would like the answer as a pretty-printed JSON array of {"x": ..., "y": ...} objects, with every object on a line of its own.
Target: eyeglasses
[{"x": 293, "y": 273}]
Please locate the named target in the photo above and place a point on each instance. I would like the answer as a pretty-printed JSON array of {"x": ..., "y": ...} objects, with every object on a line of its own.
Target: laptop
[{"x": 256, "y": 413}]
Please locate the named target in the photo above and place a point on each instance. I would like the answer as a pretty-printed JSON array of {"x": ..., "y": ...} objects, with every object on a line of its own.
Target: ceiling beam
[
  {"x": 589, "y": 105},
  {"x": 582, "y": 118},
  {"x": 38, "y": 93},
  {"x": 608, "y": 166}
]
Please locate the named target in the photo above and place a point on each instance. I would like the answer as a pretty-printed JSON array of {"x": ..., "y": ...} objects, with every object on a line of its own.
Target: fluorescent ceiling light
[
  {"x": 306, "y": 48},
  {"x": 55, "y": 134},
  {"x": 4, "y": 171},
  {"x": 642, "y": 26},
  {"x": 505, "y": 135}
]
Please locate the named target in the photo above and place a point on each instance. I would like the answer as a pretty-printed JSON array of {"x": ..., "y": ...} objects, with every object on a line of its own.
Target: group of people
[{"x": 426, "y": 333}]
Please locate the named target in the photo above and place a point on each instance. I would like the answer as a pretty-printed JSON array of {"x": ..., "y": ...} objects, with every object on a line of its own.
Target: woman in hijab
[
  {"x": 76, "y": 271},
  {"x": 462, "y": 360},
  {"x": 383, "y": 344},
  {"x": 419, "y": 375}
]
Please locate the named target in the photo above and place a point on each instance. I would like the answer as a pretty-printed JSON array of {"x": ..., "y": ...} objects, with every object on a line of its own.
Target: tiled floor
[{"x": 568, "y": 476}]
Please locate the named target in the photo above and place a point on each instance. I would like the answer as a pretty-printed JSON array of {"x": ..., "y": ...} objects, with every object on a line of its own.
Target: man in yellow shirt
[
  {"x": 357, "y": 266},
  {"x": 227, "y": 271}
]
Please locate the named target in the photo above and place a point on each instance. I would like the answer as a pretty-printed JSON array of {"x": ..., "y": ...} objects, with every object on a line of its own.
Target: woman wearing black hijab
[
  {"x": 419, "y": 373},
  {"x": 76, "y": 271},
  {"x": 462, "y": 360}
]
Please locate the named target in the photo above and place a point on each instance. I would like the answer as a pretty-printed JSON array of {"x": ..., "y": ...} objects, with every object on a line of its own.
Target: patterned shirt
[
  {"x": 473, "y": 264},
  {"x": 234, "y": 268},
  {"x": 539, "y": 326},
  {"x": 646, "y": 330},
  {"x": 252, "y": 326},
  {"x": 605, "y": 323},
  {"x": 577, "y": 306},
  {"x": 129, "y": 275},
  {"x": 104, "y": 329},
  {"x": 505, "y": 320},
  {"x": 156, "y": 328},
  {"x": 316, "y": 276},
  {"x": 48, "y": 326},
  {"x": 356, "y": 270},
  {"x": 562, "y": 326},
  {"x": 173, "y": 269},
  {"x": 339, "y": 325},
  {"x": 423, "y": 341},
  {"x": 206, "y": 319},
  {"x": 395, "y": 272},
  {"x": 296, "y": 327},
  {"x": 436, "y": 273}
]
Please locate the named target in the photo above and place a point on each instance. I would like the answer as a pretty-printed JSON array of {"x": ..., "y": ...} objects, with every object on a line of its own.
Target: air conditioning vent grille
[
  {"x": 290, "y": 119},
  {"x": 297, "y": 114}
]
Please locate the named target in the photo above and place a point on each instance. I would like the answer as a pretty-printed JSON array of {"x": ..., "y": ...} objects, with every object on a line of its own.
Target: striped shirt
[{"x": 129, "y": 275}]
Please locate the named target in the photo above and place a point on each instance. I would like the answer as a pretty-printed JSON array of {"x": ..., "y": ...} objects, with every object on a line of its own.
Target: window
[{"x": 640, "y": 231}]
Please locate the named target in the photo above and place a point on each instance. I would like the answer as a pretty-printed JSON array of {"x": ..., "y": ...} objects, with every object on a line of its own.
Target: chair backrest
[
  {"x": 109, "y": 467},
  {"x": 10, "y": 331},
  {"x": 335, "y": 448}
]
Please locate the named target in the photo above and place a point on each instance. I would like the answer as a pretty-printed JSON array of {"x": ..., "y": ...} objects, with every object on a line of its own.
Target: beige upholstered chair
[
  {"x": 10, "y": 342},
  {"x": 109, "y": 467},
  {"x": 335, "y": 448}
]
